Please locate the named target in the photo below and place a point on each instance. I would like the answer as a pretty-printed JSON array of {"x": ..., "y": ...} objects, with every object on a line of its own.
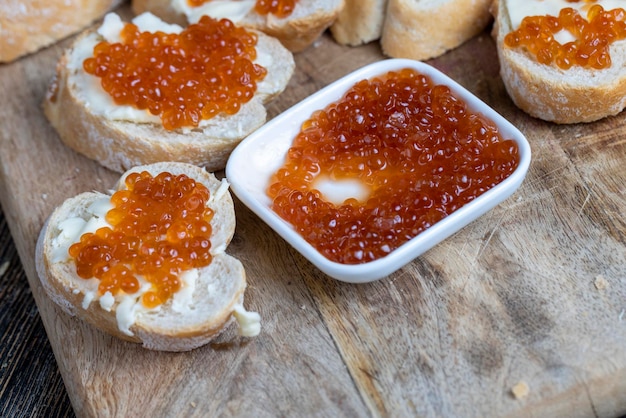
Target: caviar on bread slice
[
  {"x": 563, "y": 62},
  {"x": 296, "y": 23},
  {"x": 129, "y": 94},
  {"x": 148, "y": 263}
]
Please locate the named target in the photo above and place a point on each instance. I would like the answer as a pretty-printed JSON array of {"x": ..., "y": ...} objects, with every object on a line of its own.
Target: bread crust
[
  {"x": 163, "y": 329},
  {"x": 296, "y": 32},
  {"x": 360, "y": 22},
  {"x": 29, "y": 25},
  {"x": 120, "y": 145},
  {"x": 422, "y": 30},
  {"x": 550, "y": 93}
]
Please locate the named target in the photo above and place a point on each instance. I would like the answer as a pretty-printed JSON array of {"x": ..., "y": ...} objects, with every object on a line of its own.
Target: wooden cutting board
[{"x": 531, "y": 295}]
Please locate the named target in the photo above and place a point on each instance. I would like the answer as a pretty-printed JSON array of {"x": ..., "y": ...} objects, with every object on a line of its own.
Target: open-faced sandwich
[
  {"x": 136, "y": 93},
  {"x": 147, "y": 263},
  {"x": 296, "y": 23},
  {"x": 563, "y": 61}
]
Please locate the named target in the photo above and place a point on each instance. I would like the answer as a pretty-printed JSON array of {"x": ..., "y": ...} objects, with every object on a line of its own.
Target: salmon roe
[
  {"x": 160, "y": 227},
  {"x": 279, "y": 8},
  {"x": 206, "y": 70},
  {"x": 419, "y": 150},
  {"x": 594, "y": 36}
]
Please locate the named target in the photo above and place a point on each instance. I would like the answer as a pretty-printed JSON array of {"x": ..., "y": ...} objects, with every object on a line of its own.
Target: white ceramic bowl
[{"x": 258, "y": 157}]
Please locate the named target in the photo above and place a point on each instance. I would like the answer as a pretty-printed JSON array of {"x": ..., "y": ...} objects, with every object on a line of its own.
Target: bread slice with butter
[
  {"x": 120, "y": 137},
  {"x": 565, "y": 96},
  {"x": 209, "y": 300},
  {"x": 297, "y": 31}
]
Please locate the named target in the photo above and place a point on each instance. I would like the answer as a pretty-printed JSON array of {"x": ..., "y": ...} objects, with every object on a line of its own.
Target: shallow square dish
[{"x": 258, "y": 157}]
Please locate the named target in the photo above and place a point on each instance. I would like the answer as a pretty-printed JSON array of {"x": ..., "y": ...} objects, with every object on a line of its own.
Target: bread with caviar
[
  {"x": 578, "y": 94},
  {"x": 360, "y": 22},
  {"x": 425, "y": 29},
  {"x": 28, "y": 25},
  {"x": 209, "y": 299},
  {"x": 297, "y": 31},
  {"x": 88, "y": 121}
]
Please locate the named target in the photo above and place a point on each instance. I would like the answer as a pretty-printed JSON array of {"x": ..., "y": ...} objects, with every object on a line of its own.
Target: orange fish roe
[
  {"x": 420, "y": 151},
  {"x": 594, "y": 36},
  {"x": 279, "y": 8},
  {"x": 160, "y": 227},
  {"x": 206, "y": 70}
]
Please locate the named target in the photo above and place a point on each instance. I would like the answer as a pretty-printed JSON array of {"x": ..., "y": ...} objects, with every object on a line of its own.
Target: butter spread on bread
[
  {"x": 559, "y": 93},
  {"x": 209, "y": 296},
  {"x": 122, "y": 136}
]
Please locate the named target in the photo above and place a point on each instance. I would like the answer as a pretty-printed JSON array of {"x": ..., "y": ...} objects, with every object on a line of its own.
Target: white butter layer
[
  {"x": 99, "y": 102},
  {"x": 249, "y": 322},
  {"x": 234, "y": 10}
]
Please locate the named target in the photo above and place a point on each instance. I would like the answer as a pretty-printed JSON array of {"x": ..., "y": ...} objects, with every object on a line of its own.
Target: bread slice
[
  {"x": 119, "y": 144},
  {"x": 550, "y": 93},
  {"x": 360, "y": 22},
  {"x": 202, "y": 309},
  {"x": 29, "y": 25},
  {"x": 309, "y": 19},
  {"x": 423, "y": 29}
]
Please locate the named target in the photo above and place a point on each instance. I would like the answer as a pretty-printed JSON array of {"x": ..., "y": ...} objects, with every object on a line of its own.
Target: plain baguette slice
[
  {"x": 121, "y": 144},
  {"x": 29, "y": 25},
  {"x": 424, "y": 29},
  {"x": 556, "y": 95},
  {"x": 218, "y": 293},
  {"x": 360, "y": 22},
  {"x": 310, "y": 18}
]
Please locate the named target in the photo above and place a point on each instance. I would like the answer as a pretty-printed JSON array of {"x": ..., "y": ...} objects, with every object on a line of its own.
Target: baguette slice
[
  {"x": 556, "y": 95},
  {"x": 310, "y": 18},
  {"x": 178, "y": 325},
  {"x": 360, "y": 22},
  {"x": 423, "y": 29},
  {"x": 29, "y": 25},
  {"x": 119, "y": 144}
]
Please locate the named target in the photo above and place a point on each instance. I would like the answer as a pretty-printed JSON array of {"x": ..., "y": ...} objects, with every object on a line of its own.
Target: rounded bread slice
[
  {"x": 309, "y": 19},
  {"x": 28, "y": 25},
  {"x": 423, "y": 29},
  {"x": 120, "y": 144},
  {"x": 213, "y": 297},
  {"x": 553, "y": 94}
]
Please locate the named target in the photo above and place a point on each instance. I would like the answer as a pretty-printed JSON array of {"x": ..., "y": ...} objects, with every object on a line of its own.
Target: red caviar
[
  {"x": 420, "y": 151},
  {"x": 590, "y": 49},
  {"x": 205, "y": 70},
  {"x": 160, "y": 228}
]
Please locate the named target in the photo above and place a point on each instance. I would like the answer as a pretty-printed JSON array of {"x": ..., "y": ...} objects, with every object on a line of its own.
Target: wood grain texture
[
  {"x": 30, "y": 383},
  {"x": 509, "y": 299}
]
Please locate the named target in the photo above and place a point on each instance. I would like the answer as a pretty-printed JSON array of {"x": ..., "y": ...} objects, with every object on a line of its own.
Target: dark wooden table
[{"x": 30, "y": 382}]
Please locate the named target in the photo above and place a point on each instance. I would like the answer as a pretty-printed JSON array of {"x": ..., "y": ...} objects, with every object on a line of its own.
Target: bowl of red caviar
[{"x": 378, "y": 167}]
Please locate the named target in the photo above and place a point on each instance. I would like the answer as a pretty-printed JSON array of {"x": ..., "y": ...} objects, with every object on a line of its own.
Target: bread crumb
[
  {"x": 520, "y": 390},
  {"x": 3, "y": 268},
  {"x": 600, "y": 282}
]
